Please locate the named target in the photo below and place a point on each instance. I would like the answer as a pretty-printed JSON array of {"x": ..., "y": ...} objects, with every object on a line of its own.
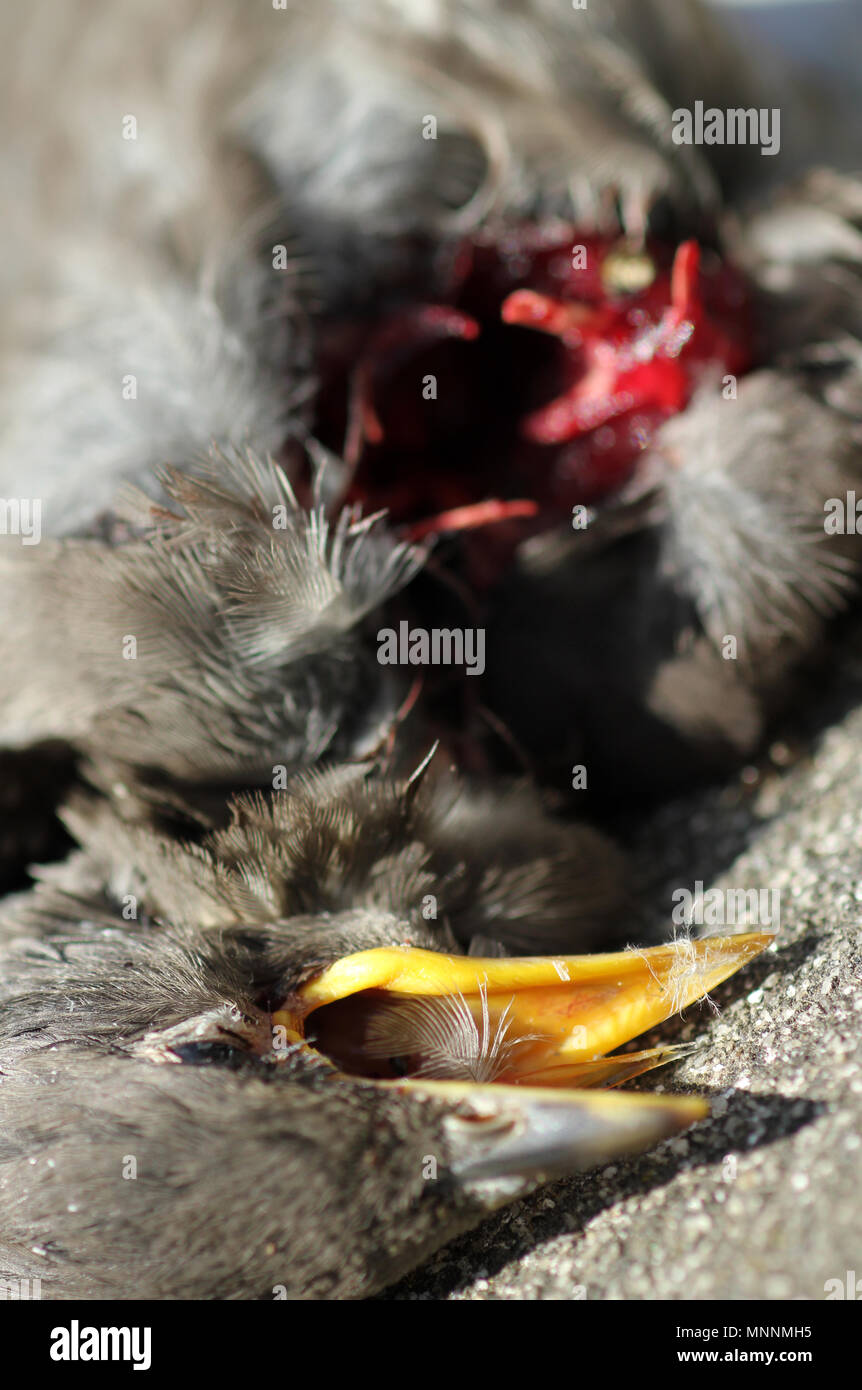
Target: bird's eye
[{"x": 206, "y": 1054}]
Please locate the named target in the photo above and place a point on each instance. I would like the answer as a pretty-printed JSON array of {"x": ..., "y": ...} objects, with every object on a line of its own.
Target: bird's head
[{"x": 309, "y": 1035}]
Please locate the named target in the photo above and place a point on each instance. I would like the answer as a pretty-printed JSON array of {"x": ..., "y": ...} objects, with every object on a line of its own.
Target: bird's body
[
  {"x": 291, "y": 358},
  {"x": 163, "y": 1012}
]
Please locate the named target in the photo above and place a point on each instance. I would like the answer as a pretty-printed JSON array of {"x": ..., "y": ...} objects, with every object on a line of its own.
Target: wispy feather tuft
[{"x": 445, "y": 1034}]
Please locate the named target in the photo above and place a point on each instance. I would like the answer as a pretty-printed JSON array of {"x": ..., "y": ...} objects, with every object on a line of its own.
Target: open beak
[
  {"x": 534, "y": 1021},
  {"x": 517, "y": 1049}
]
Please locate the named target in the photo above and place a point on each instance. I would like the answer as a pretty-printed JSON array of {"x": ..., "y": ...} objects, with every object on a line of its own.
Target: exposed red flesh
[
  {"x": 517, "y": 435},
  {"x": 468, "y": 518},
  {"x": 399, "y": 337}
]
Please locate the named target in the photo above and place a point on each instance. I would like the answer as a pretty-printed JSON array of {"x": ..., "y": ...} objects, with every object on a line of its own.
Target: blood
[{"x": 535, "y": 384}]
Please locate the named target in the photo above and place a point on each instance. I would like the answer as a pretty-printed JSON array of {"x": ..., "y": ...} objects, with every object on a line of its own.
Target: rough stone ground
[{"x": 764, "y": 1199}]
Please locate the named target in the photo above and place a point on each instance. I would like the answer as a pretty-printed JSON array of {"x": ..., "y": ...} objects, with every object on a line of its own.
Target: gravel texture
[{"x": 762, "y": 1200}]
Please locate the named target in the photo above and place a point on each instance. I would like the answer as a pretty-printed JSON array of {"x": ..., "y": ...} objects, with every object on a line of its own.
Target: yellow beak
[{"x": 558, "y": 1017}]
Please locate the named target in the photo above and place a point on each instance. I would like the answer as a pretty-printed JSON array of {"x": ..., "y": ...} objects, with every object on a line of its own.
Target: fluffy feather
[
  {"x": 346, "y": 840},
  {"x": 452, "y": 1044},
  {"x": 245, "y": 614}
]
